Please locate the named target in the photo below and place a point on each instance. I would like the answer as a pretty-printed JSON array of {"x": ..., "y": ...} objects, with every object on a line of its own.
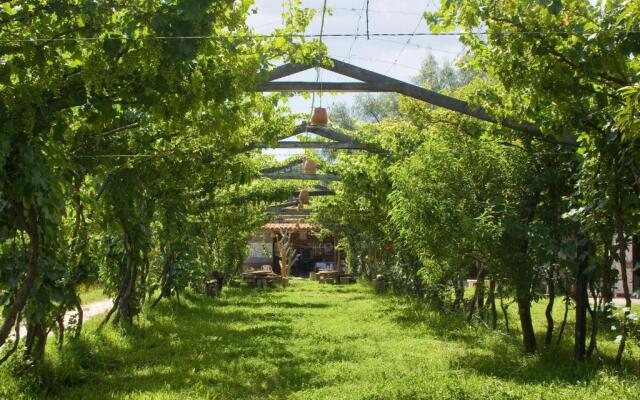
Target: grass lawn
[
  {"x": 89, "y": 294},
  {"x": 313, "y": 341}
]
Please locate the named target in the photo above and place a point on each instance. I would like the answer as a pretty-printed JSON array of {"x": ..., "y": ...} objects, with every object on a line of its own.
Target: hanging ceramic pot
[
  {"x": 309, "y": 166},
  {"x": 303, "y": 197},
  {"x": 319, "y": 117}
]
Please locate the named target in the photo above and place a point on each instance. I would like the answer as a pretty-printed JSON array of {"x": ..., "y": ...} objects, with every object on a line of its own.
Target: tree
[
  {"x": 101, "y": 98},
  {"x": 568, "y": 67}
]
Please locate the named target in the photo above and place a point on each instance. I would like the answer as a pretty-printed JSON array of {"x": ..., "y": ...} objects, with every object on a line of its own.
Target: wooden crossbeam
[
  {"x": 310, "y": 145},
  {"x": 316, "y": 193},
  {"x": 373, "y": 81},
  {"x": 288, "y": 211},
  {"x": 340, "y": 141},
  {"x": 325, "y": 132},
  {"x": 290, "y": 164},
  {"x": 303, "y": 176},
  {"x": 300, "y": 86},
  {"x": 295, "y": 201},
  {"x": 291, "y": 203}
]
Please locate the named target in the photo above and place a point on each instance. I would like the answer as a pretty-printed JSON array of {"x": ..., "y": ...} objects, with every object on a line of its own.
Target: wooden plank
[
  {"x": 303, "y": 176},
  {"x": 284, "y": 205},
  {"x": 426, "y": 95},
  {"x": 286, "y": 70},
  {"x": 329, "y": 133},
  {"x": 310, "y": 145},
  {"x": 318, "y": 193},
  {"x": 325, "y": 132},
  {"x": 288, "y": 212},
  {"x": 298, "y": 86},
  {"x": 290, "y": 164}
]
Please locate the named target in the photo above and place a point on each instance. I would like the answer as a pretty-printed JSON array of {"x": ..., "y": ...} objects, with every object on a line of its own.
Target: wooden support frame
[
  {"x": 285, "y": 212},
  {"x": 303, "y": 176},
  {"x": 292, "y": 203},
  {"x": 339, "y": 141},
  {"x": 316, "y": 193},
  {"x": 375, "y": 82},
  {"x": 292, "y": 163},
  {"x": 311, "y": 145}
]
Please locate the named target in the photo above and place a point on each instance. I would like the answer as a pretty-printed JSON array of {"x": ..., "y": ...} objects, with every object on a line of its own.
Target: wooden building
[{"x": 315, "y": 254}]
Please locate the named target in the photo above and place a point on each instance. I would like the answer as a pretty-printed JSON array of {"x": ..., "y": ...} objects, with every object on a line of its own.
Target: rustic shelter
[{"x": 315, "y": 253}]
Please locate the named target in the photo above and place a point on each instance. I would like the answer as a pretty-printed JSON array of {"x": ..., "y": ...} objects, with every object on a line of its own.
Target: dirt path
[{"x": 89, "y": 311}]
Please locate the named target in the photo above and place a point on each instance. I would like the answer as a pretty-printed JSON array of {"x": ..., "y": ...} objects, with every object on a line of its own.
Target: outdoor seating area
[
  {"x": 328, "y": 273},
  {"x": 261, "y": 277}
]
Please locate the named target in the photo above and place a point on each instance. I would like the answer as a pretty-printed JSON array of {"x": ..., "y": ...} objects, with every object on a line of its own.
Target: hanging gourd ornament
[
  {"x": 319, "y": 117},
  {"x": 309, "y": 166},
  {"x": 303, "y": 197}
]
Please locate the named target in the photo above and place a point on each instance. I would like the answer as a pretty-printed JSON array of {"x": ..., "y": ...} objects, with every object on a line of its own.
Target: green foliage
[{"x": 121, "y": 126}]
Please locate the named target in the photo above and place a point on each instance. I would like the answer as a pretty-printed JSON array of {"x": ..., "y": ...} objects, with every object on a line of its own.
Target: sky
[{"x": 398, "y": 57}]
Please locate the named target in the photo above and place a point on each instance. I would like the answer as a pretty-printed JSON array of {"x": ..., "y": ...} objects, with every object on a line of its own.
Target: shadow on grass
[
  {"x": 497, "y": 353},
  {"x": 198, "y": 344},
  {"x": 277, "y": 304}
]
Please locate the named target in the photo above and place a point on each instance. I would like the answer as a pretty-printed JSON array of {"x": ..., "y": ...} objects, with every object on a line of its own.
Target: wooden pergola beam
[
  {"x": 325, "y": 132},
  {"x": 341, "y": 141},
  {"x": 373, "y": 81},
  {"x": 315, "y": 193},
  {"x": 288, "y": 211},
  {"x": 310, "y": 145},
  {"x": 292, "y": 203},
  {"x": 290, "y": 164},
  {"x": 301, "y": 86},
  {"x": 303, "y": 176}
]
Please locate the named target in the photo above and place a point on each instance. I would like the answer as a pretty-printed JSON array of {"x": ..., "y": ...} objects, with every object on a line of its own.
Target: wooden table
[
  {"x": 260, "y": 278},
  {"x": 333, "y": 276}
]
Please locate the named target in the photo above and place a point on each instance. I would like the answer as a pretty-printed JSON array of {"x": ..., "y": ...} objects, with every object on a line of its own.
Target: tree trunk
[
  {"x": 480, "y": 298},
  {"x": 144, "y": 272},
  {"x": 526, "y": 324},
  {"x": 622, "y": 258},
  {"x": 567, "y": 302},
  {"x": 80, "y": 318},
  {"x": 36, "y": 341},
  {"x": 548, "y": 312},
  {"x": 593, "y": 312},
  {"x": 491, "y": 302},
  {"x": 503, "y": 307},
  {"x": 60, "y": 323},
  {"x": 126, "y": 310},
  {"x": 607, "y": 275},
  {"x": 165, "y": 281},
  {"x": 20, "y": 299},
  {"x": 476, "y": 294},
  {"x": 459, "y": 294},
  {"x": 582, "y": 299},
  {"x": 16, "y": 342}
]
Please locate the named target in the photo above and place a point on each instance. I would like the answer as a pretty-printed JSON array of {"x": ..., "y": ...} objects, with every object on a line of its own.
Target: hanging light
[
  {"x": 319, "y": 117},
  {"x": 309, "y": 166}
]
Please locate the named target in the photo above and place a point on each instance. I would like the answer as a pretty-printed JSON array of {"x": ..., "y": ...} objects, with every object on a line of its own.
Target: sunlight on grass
[
  {"x": 90, "y": 294},
  {"x": 313, "y": 341}
]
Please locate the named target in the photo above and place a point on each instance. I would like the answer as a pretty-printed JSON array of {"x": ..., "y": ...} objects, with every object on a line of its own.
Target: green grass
[
  {"x": 313, "y": 341},
  {"x": 90, "y": 294}
]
